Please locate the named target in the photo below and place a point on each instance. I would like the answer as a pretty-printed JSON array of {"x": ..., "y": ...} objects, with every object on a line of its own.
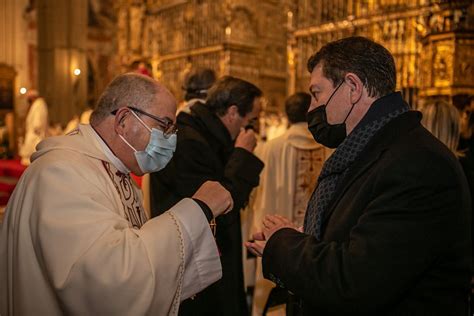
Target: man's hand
[
  {"x": 271, "y": 224},
  {"x": 257, "y": 245},
  {"x": 215, "y": 196},
  {"x": 246, "y": 139}
]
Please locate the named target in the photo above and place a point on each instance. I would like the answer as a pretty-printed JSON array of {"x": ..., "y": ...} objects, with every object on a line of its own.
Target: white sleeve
[{"x": 202, "y": 263}]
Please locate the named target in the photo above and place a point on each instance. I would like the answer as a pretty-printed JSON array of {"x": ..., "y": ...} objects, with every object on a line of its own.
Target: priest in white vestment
[
  {"x": 293, "y": 162},
  {"x": 75, "y": 239},
  {"x": 36, "y": 126}
]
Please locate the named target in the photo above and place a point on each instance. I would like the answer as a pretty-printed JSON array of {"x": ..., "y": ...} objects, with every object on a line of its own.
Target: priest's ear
[{"x": 120, "y": 116}]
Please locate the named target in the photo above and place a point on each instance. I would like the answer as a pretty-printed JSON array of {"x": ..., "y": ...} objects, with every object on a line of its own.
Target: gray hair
[{"x": 128, "y": 89}]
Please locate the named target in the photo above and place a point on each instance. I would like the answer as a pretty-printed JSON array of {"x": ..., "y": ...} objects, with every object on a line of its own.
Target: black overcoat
[
  {"x": 205, "y": 151},
  {"x": 396, "y": 237}
]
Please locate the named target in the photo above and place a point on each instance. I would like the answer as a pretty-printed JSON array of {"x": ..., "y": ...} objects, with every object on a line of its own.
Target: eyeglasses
[{"x": 167, "y": 125}]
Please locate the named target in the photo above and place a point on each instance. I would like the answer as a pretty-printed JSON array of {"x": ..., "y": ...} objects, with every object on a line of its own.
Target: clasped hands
[{"x": 271, "y": 224}]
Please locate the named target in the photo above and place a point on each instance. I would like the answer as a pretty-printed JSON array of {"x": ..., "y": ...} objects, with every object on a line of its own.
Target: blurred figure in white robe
[{"x": 36, "y": 126}]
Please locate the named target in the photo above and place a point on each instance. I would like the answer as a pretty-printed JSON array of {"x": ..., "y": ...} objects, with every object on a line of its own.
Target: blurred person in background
[
  {"x": 36, "y": 126},
  {"x": 216, "y": 142},
  {"x": 195, "y": 87},
  {"x": 442, "y": 120},
  {"x": 293, "y": 162}
]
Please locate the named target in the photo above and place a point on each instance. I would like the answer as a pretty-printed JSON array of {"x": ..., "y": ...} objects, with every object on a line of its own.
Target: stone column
[
  {"x": 13, "y": 44},
  {"x": 62, "y": 40},
  {"x": 14, "y": 54}
]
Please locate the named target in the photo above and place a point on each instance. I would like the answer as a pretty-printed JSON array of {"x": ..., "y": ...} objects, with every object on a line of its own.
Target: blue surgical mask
[{"x": 157, "y": 153}]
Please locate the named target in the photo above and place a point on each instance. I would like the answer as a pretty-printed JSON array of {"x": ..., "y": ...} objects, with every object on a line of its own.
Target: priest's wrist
[{"x": 205, "y": 209}]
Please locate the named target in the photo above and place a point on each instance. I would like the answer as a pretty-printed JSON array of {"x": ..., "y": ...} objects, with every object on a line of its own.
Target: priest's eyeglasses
[{"x": 166, "y": 125}]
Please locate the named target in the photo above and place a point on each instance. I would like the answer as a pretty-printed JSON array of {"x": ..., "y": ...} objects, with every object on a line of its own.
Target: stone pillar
[
  {"x": 14, "y": 60},
  {"x": 62, "y": 40},
  {"x": 13, "y": 45}
]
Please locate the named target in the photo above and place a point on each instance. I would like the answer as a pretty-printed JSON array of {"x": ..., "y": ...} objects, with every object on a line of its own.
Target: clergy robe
[
  {"x": 75, "y": 239},
  {"x": 36, "y": 128}
]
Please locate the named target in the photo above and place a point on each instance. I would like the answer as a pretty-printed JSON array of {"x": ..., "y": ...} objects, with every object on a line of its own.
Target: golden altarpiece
[
  {"x": 243, "y": 38},
  {"x": 432, "y": 41},
  {"x": 268, "y": 42}
]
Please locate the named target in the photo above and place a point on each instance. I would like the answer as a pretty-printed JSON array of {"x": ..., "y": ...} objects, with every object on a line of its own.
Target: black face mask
[{"x": 324, "y": 133}]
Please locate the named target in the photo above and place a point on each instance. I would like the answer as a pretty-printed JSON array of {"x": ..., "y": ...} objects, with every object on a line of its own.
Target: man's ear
[
  {"x": 233, "y": 112},
  {"x": 120, "y": 120},
  {"x": 230, "y": 114},
  {"x": 356, "y": 87}
]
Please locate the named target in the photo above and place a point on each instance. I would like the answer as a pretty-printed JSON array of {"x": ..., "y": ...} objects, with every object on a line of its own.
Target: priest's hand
[
  {"x": 271, "y": 224},
  {"x": 246, "y": 139},
  {"x": 215, "y": 196}
]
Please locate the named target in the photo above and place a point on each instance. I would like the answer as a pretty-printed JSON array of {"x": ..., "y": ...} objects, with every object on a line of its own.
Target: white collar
[{"x": 110, "y": 155}]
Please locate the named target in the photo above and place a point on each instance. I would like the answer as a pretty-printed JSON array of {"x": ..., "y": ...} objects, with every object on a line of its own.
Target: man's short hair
[
  {"x": 197, "y": 82},
  {"x": 230, "y": 91},
  {"x": 296, "y": 107},
  {"x": 130, "y": 89},
  {"x": 370, "y": 61}
]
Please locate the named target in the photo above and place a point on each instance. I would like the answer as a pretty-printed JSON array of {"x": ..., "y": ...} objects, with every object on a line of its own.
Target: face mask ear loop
[
  {"x": 334, "y": 92},
  {"x": 126, "y": 142},
  {"x": 353, "y": 105},
  {"x": 140, "y": 120}
]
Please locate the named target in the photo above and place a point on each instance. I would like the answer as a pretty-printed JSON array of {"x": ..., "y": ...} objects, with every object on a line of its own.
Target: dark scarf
[{"x": 335, "y": 168}]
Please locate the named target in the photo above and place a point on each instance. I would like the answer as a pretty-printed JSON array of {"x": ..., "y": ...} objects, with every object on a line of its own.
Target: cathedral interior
[{"x": 70, "y": 50}]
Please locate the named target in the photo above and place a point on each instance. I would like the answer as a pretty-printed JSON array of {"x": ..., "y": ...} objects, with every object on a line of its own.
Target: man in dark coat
[
  {"x": 387, "y": 230},
  {"x": 213, "y": 144}
]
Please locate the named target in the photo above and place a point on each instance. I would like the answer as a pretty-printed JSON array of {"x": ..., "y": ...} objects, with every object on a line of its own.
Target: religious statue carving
[
  {"x": 243, "y": 26},
  {"x": 443, "y": 65},
  {"x": 464, "y": 69},
  {"x": 420, "y": 26}
]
